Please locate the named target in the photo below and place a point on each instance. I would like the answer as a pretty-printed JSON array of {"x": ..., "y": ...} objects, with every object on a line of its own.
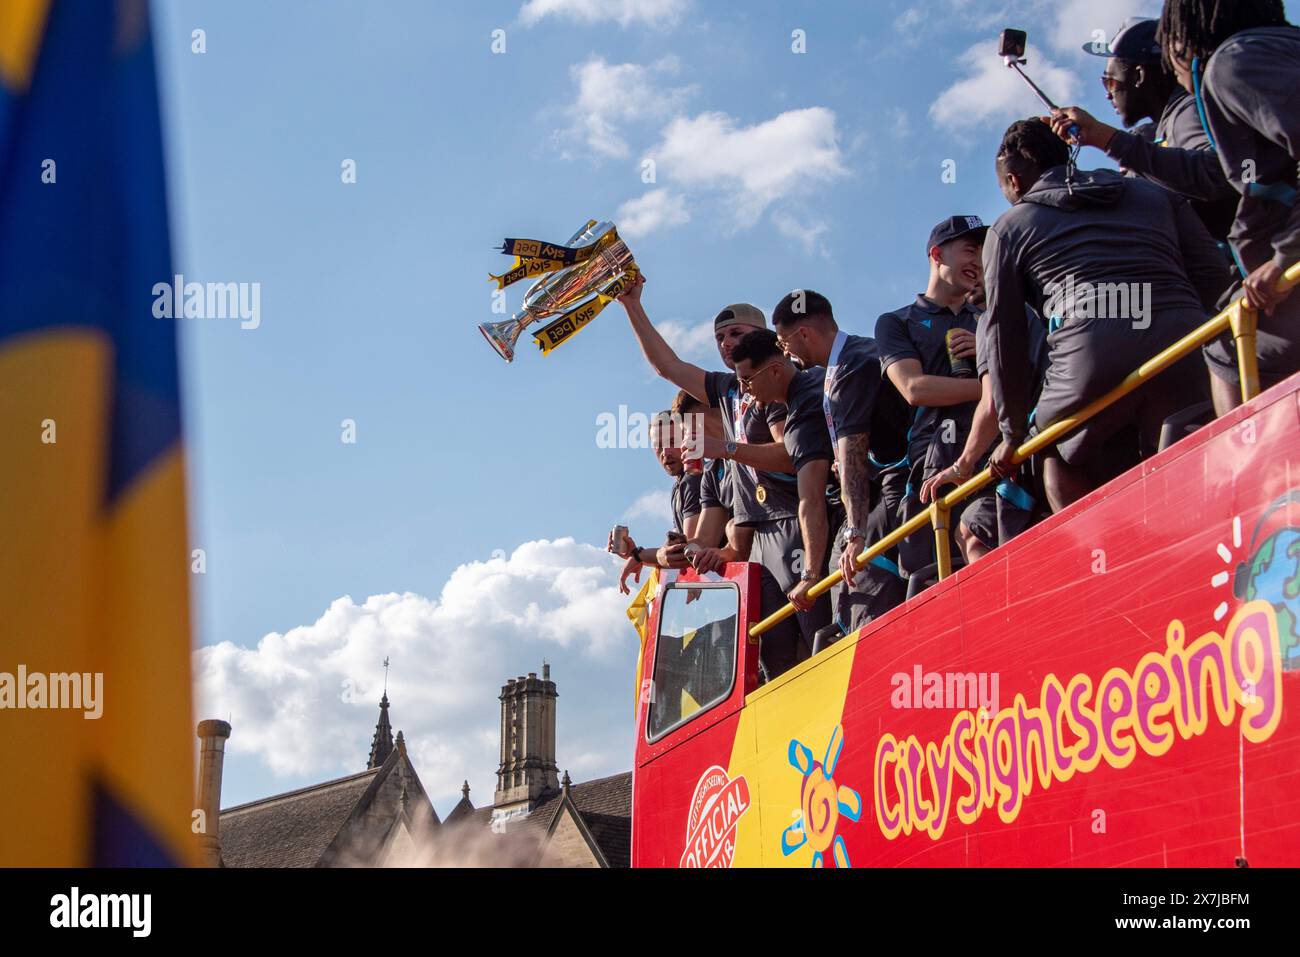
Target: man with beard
[
  {"x": 1174, "y": 153},
  {"x": 865, "y": 416}
]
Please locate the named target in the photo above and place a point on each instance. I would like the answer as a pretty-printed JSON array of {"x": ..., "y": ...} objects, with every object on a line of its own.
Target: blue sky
[{"x": 774, "y": 170}]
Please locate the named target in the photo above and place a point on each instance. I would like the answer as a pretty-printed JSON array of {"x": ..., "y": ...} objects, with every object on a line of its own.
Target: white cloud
[
  {"x": 1059, "y": 25},
  {"x": 908, "y": 19},
  {"x": 610, "y": 96},
  {"x": 990, "y": 94},
  {"x": 1075, "y": 22},
  {"x": 908, "y": 25},
  {"x": 656, "y": 504},
  {"x": 654, "y": 13},
  {"x": 305, "y": 702},
  {"x": 690, "y": 341},
  {"x": 901, "y": 122},
  {"x": 752, "y": 166},
  {"x": 658, "y": 209},
  {"x": 807, "y": 232}
]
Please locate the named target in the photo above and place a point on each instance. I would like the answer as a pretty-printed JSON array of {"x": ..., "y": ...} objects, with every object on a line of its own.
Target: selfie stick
[{"x": 1015, "y": 63}]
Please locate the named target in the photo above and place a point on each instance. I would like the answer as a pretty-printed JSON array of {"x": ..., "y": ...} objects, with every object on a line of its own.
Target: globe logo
[{"x": 1273, "y": 575}]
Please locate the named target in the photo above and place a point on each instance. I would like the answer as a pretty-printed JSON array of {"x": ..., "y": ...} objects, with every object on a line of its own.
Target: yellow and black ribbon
[
  {"x": 536, "y": 258},
  {"x": 538, "y": 249},
  {"x": 559, "y": 331},
  {"x": 526, "y": 269}
]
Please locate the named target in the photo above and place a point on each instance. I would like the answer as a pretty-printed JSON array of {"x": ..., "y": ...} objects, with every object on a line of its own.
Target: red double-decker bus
[{"x": 1119, "y": 686}]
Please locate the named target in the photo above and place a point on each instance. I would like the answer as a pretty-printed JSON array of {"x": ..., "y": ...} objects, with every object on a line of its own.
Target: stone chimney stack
[
  {"x": 527, "y": 770},
  {"x": 212, "y": 755}
]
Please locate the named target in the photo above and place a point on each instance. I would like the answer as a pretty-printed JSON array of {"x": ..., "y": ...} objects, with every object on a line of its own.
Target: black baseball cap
[
  {"x": 955, "y": 227},
  {"x": 1135, "y": 40}
]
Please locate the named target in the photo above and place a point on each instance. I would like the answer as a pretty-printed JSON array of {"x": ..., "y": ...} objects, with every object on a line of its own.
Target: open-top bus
[{"x": 1120, "y": 685}]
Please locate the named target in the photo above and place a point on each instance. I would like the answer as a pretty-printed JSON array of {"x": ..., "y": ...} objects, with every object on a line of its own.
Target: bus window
[{"x": 695, "y": 654}]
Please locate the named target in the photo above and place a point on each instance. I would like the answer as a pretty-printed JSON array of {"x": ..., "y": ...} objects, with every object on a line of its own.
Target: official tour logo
[{"x": 716, "y": 809}]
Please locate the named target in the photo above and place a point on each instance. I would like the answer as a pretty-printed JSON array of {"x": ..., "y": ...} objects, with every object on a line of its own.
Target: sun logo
[{"x": 822, "y": 804}]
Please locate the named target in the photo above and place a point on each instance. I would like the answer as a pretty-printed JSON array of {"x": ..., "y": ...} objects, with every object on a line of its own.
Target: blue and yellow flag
[{"x": 93, "y": 561}]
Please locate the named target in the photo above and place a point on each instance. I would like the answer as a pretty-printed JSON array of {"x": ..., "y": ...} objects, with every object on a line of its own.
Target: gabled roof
[
  {"x": 291, "y": 829},
  {"x": 326, "y": 823},
  {"x": 604, "y": 806},
  {"x": 463, "y": 807}
]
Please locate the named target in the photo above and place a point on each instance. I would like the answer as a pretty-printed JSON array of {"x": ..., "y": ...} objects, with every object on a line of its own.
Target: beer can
[
  {"x": 620, "y": 541},
  {"x": 961, "y": 368}
]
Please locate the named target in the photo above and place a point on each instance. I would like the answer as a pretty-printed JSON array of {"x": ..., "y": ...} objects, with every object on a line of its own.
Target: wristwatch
[
  {"x": 810, "y": 575},
  {"x": 956, "y": 470},
  {"x": 851, "y": 532},
  {"x": 729, "y": 450}
]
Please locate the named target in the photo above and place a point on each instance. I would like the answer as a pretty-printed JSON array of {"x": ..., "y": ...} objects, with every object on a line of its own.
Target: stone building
[{"x": 382, "y": 817}]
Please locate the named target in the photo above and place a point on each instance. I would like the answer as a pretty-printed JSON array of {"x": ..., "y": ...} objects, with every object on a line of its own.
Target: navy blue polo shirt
[{"x": 919, "y": 331}]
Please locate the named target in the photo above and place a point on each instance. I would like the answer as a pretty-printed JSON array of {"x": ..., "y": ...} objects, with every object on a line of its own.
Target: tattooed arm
[{"x": 855, "y": 488}]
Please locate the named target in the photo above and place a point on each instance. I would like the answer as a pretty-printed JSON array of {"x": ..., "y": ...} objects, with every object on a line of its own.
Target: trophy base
[{"x": 498, "y": 342}]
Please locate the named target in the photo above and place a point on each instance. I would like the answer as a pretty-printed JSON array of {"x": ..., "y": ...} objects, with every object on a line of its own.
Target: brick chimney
[
  {"x": 527, "y": 771},
  {"x": 212, "y": 754}
]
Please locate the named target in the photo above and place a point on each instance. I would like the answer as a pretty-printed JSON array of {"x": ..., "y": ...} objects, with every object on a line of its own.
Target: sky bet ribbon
[
  {"x": 536, "y": 249},
  {"x": 556, "y": 333},
  {"x": 536, "y": 258},
  {"x": 526, "y": 269}
]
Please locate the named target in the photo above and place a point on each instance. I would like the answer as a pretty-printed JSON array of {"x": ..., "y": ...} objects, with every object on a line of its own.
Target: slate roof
[
  {"x": 291, "y": 829},
  {"x": 462, "y": 809},
  {"x": 606, "y": 806}
]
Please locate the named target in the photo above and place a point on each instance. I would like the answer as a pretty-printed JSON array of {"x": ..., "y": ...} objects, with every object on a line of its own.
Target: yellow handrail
[{"x": 1238, "y": 318}]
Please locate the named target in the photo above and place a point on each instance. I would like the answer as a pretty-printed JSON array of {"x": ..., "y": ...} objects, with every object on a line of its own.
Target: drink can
[
  {"x": 961, "y": 368},
  {"x": 620, "y": 541}
]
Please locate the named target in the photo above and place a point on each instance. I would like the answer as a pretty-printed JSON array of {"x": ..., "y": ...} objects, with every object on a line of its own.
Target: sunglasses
[
  {"x": 1113, "y": 84},
  {"x": 745, "y": 383}
]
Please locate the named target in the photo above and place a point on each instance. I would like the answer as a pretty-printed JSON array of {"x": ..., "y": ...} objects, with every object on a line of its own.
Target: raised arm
[
  {"x": 1192, "y": 170},
  {"x": 657, "y": 351}
]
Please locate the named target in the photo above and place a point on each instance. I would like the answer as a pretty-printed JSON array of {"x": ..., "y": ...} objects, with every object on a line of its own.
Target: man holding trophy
[{"x": 763, "y": 487}]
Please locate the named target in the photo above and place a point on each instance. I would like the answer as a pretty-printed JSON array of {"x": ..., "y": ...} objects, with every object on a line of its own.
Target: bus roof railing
[{"x": 1239, "y": 319}]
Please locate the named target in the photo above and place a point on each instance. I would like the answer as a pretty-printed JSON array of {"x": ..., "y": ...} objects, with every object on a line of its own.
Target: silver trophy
[{"x": 567, "y": 290}]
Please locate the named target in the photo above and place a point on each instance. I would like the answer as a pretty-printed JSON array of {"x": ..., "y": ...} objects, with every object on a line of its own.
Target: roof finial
[
  {"x": 385, "y": 676},
  {"x": 565, "y": 782},
  {"x": 381, "y": 746},
  {"x": 464, "y": 792}
]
